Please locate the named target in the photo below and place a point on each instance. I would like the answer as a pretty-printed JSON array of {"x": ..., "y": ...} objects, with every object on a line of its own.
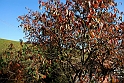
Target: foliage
[
  {"x": 76, "y": 41},
  {"x": 10, "y": 68},
  {"x": 21, "y": 66}
]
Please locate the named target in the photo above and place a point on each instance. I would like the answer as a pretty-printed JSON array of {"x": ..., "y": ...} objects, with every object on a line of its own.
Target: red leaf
[
  {"x": 99, "y": 1},
  {"x": 122, "y": 27},
  {"x": 96, "y": 5},
  {"x": 43, "y": 3},
  {"x": 103, "y": 6},
  {"x": 114, "y": 15},
  {"x": 79, "y": 31}
]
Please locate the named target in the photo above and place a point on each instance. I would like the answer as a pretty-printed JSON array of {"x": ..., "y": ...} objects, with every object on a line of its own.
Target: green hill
[{"x": 4, "y": 43}]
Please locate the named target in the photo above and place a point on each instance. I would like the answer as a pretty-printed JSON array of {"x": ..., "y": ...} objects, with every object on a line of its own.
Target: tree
[{"x": 84, "y": 38}]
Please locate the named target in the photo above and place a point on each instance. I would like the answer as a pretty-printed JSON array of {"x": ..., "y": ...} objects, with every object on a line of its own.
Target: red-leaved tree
[{"x": 85, "y": 38}]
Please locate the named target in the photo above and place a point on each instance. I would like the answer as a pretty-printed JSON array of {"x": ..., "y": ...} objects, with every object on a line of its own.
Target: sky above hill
[{"x": 11, "y": 9}]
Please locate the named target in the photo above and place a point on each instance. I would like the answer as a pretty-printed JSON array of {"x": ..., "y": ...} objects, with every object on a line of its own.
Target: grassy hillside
[{"x": 5, "y": 43}]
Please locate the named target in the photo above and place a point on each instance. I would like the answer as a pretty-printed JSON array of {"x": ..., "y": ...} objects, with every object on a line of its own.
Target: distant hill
[{"x": 4, "y": 43}]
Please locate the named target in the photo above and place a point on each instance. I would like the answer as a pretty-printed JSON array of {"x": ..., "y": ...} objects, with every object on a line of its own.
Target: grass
[{"x": 4, "y": 43}]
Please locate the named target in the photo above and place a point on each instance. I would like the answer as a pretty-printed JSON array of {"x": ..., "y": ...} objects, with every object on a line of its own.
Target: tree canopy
[{"x": 85, "y": 38}]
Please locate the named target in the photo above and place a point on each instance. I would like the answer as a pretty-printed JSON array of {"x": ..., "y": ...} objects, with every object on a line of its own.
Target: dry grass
[{"x": 5, "y": 43}]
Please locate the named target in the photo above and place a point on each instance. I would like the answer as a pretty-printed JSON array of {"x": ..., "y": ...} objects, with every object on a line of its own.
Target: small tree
[{"x": 83, "y": 38}]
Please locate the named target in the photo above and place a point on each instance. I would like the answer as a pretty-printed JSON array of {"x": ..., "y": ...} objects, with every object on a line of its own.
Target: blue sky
[{"x": 11, "y": 9}]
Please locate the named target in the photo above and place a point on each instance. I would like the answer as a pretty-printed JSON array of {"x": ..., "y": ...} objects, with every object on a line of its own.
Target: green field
[{"x": 4, "y": 43}]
